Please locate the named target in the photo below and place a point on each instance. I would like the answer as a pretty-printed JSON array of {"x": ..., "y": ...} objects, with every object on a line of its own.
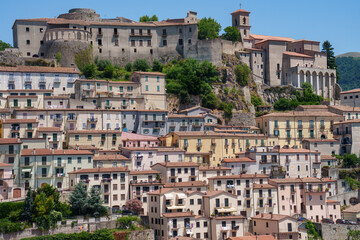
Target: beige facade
[
  {"x": 105, "y": 139},
  {"x": 113, "y": 183},
  {"x": 172, "y": 172}
]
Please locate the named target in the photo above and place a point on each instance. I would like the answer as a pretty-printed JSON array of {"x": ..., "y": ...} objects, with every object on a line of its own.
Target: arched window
[
  {"x": 244, "y": 20},
  {"x": 236, "y": 22}
]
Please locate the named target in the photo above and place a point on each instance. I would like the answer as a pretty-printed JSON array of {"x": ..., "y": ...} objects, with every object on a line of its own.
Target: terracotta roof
[
  {"x": 274, "y": 38},
  {"x": 5, "y": 110},
  {"x": 185, "y": 116},
  {"x": 5, "y": 141},
  {"x": 255, "y": 49},
  {"x": 257, "y": 237},
  {"x": 92, "y": 131},
  {"x": 112, "y": 157},
  {"x": 178, "y": 214},
  {"x": 241, "y": 176},
  {"x": 229, "y": 217},
  {"x": 313, "y": 106},
  {"x": 194, "y": 192},
  {"x": 215, "y": 193},
  {"x": 302, "y": 114},
  {"x": 214, "y": 134},
  {"x": 295, "y": 54},
  {"x": 293, "y": 150},
  {"x": 125, "y": 136},
  {"x": 101, "y": 170},
  {"x": 154, "y": 149},
  {"x": 45, "y": 152},
  {"x": 177, "y": 164},
  {"x": 144, "y": 172},
  {"x": 332, "y": 201},
  {"x": 193, "y": 108},
  {"x": 345, "y": 108},
  {"x": 163, "y": 191},
  {"x": 38, "y": 69},
  {"x": 261, "y": 186},
  {"x": 10, "y": 121},
  {"x": 238, "y": 160},
  {"x": 356, "y": 90},
  {"x": 328, "y": 157},
  {"x": 149, "y": 73},
  {"x": 49, "y": 129},
  {"x": 213, "y": 168},
  {"x": 56, "y": 97},
  {"x": 353, "y": 209},
  {"x": 5, "y": 165},
  {"x": 186, "y": 184},
  {"x": 348, "y": 121},
  {"x": 240, "y": 10},
  {"x": 305, "y": 40},
  {"x": 268, "y": 216}
]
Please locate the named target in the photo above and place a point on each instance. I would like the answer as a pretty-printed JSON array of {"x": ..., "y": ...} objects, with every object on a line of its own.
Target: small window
[
  {"x": 164, "y": 42},
  {"x": 28, "y": 29},
  {"x": 28, "y": 42}
]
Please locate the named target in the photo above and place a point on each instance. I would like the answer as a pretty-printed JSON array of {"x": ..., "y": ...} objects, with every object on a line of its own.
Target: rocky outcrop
[
  {"x": 10, "y": 57},
  {"x": 272, "y": 94}
]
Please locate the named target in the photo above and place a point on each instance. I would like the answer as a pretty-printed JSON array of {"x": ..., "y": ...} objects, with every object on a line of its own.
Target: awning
[
  {"x": 226, "y": 210},
  {"x": 181, "y": 196},
  {"x": 176, "y": 207},
  {"x": 26, "y": 170},
  {"x": 169, "y": 196}
]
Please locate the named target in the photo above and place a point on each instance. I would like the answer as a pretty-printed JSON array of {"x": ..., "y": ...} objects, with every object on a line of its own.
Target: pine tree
[
  {"x": 331, "y": 60},
  {"x": 78, "y": 199},
  {"x": 28, "y": 210},
  {"x": 95, "y": 204}
]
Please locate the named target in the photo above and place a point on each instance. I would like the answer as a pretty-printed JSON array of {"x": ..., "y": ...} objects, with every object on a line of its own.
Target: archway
[
  {"x": 302, "y": 78},
  {"x": 308, "y": 77},
  {"x": 315, "y": 82}
]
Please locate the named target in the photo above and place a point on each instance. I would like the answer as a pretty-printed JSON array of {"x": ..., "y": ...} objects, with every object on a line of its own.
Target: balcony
[
  {"x": 322, "y": 127},
  {"x": 106, "y": 180},
  {"x": 61, "y": 165},
  {"x": 85, "y": 180},
  {"x": 293, "y": 191},
  {"x": 230, "y": 186},
  {"x": 58, "y": 119},
  {"x": 92, "y": 119},
  {"x": 300, "y": 126},
  {"x": 30, "y": 164},
  {"x": 57, "y": 80},
  {"x": 140, "y": 35},
  {"x": 30, "y": 106},
  {"x": 44, "y": 164},
  {"x": 226, "y": 145},
  {"x": 11, "y": 79},
  {"x": 71, "y": 119},
  {"x": 235, "y": 228},
  {"x": 199, "y": 144},
  {"x": 288, "y": 126},
  {"x": 247, "y": 196},
  {"x": 197, "y": 125},
  {"x": 45, "y": 176},
  {"x": 60, "y": 175}
]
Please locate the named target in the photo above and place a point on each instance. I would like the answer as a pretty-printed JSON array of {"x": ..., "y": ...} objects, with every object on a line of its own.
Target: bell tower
[{"x": 241, "y": 20}]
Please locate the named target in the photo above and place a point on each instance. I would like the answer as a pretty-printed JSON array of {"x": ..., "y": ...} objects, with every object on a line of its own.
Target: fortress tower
[{"x": 241, "y": 20}]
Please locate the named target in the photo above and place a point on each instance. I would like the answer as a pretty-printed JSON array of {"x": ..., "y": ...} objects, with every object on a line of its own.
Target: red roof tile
[
  {"x": 5, "y": 141},
  {"x": 45, "y": 152},
  {"x": 10, "y": 121},
  {"x": 38, "y": 69},
  {"x": 101, "y": 170}
]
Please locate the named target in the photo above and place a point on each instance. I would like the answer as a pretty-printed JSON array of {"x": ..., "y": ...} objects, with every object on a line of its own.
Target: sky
[{"x": 319, "y": 20}]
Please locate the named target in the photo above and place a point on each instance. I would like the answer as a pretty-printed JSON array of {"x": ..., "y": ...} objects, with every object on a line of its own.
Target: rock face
[
  {"x": 271, "y": 94},
  {"x": 10, "y": 57}
]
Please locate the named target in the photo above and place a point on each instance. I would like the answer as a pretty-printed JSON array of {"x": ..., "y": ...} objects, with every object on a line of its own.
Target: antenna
[{"x": 240, "y": 5}]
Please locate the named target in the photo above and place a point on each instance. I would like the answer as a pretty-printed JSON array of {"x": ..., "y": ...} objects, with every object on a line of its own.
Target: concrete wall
[{"x": 336, "y": 231}]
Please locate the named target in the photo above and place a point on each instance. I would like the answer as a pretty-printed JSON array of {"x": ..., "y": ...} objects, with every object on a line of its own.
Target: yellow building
[
  {"x": 294, "y": 126},
  {"x": 104, "y": 139},
  {"x": 210, "y": 148}
]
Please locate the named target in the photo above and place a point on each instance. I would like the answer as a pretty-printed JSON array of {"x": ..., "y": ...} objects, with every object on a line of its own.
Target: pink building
[
  {"x": 138, "y": 140},
  {"x": 7, "y": 190},
  {"x": 307, "y": 197}
]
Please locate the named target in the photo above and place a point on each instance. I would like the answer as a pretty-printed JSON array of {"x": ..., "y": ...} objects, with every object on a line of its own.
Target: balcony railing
[{"x": 92, "y": 119}]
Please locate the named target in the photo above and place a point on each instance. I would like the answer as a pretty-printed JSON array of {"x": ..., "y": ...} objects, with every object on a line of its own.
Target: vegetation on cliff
[{"x": 348, "y": 68}]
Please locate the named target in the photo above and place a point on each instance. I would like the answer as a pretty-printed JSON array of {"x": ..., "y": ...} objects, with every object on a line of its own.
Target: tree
[
  {"x": 284, "y": 104},
  {"x": 45, "y": 216},
  {"x": 134, "y": 205},
  {"x": 256, "y": 100},
  {"x": 311, "y": 230},
  {"x": 102, "y": 63},
  {"x": 353, "y": 184},
  {"x": 58, "y": 57},
  {"x": 232, "y": 34},
  {"x": 146, "y": 18},
  {"x": 27, "y": 212},
  {"x": 242, "y": 74},
  {"x": 4, "y": 45},
  {"x": 89, "y": 70},
  {"x": 83, "y": 58},
  {"x": 157, "y": 66},
  {"x": 78, "y": 199},
  {"x": 109, "y": 71},
  {"x": 141, "y": 65},
  {"x": 208, "y": 28},
  {"x": 350, "y": 160},
  {"x": 354, "y": 235},
  {"x": 127, "y": 221},
  {"x": 209, "y": 100},
  {"x": 227, "y": 108},
  {"x": 95, "y": 204},
  {"x": 329, "y": 50},
  {"x": 128, "y": 67}
]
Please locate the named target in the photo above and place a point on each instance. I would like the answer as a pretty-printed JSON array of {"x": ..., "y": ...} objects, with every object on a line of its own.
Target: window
[
  {"x": 181, "y": 42},
  {"x": 89, "y": 137},
  {"x": 164, "y": 42},
  {"x": 133, "y": 43},
  {"x": 28, "y": 42},
  {"x": 147, "y": 88},
  {"x": 28, "y": 29}
]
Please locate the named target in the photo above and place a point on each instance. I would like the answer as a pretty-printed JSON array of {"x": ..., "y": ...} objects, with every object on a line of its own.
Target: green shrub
[
  {"x": 227, "y": 108},
  {"x": 209, "y": 101},
  {"x": 102, "y": 234},
  {"x": 231, "y": 34},
  {"x": 141, "y": 65},
  {"x": 89, "y": 70},
  {"x": 256, "y": 100},
  {"x": 242, "y": 73},
  {"x": 8, "y": 208},
  {"x": 157, "y": 66},
  {"x": 127, "y": 221},
  {"x": 102, "y": 64},
  {"x": 128, "y": 67},
  {"x": 58, "y": 57},
  {"x": 6, "y": 226}
]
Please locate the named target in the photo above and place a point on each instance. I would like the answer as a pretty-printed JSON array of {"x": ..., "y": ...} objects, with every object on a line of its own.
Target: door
[
  {"x": 295, "y": 209},
  {"x": 17, "y": 193}
]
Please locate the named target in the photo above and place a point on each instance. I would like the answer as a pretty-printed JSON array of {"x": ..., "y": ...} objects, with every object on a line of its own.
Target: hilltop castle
[{"x": 274, "y": 61}]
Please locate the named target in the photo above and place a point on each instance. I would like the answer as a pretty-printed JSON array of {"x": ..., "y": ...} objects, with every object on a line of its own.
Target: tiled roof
[
  {"x": 111, "y": 157},
  {"x": 241, "y": 176},
  {"x": 20, "y": 96},
  {"x": 214, "y": 134},
  {"x": 126, "y": 136},
  {"x": 45, "y": 152},
  {"x": 83, "y": 147},
  {"x": 163, "y": 191},
  {"x": 92, "y": 131},
  {"x": 293, "y": 150},
  {"x": 273, "y": 38},
  {"x": 332, "y": 201},
  {"x": 186, "y": 184},
  {"x": 240, "y": 10},
  {"x": 154, "y": 149},
  {"x": 262, "y": 186},
  {"x": 348, "y": 121},
  {"x": 257, "y": 237},
  {"x": 229, "y": 217},
  {"x": 38, "y": 69},
  {"x": 313, "y": 106},
  {"x": 193, "y": 108},
  {"x": 144, "y": 172},
  {"x": 300, "y": 180},
  {"x": 101, "y": 170},
  {"x": 328, "y": 157},
  {"x": 5, "y": 141},
  {"x": 10, "y": 121},
  {"x": 213, "y": 168},
  {"x": 302, "y": 114},
  {"x": 237, "y": 160},
  {"x": 185, "y": 116},
  {"x": 5, "y": 165},
  {"x": 295, "y": 54},
  {"x": 177, "y": 164},
  {"x": 178, "y": 214},
  {"x": 268, "y": 216},
  {"x": 345, "y": 108},
  {"x": 353, "y": 209},
  {"x": 356, "y": 90},
  {"x": 49, "y": 129},
  {"x": 215, "y": 193},
  {"x": 56, "y": 97},
  {"x": 321, "y": 140},
  {"x": 149, "y": 73}
]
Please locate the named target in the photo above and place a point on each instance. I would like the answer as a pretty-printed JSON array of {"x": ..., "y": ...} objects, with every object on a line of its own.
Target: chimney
[
  {"x": 34, "y": 150},
  {"x": 52, "y": 151}
]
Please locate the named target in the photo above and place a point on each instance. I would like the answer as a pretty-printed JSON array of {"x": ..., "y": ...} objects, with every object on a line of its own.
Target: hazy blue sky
[{"x": 336, "y": 21}]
